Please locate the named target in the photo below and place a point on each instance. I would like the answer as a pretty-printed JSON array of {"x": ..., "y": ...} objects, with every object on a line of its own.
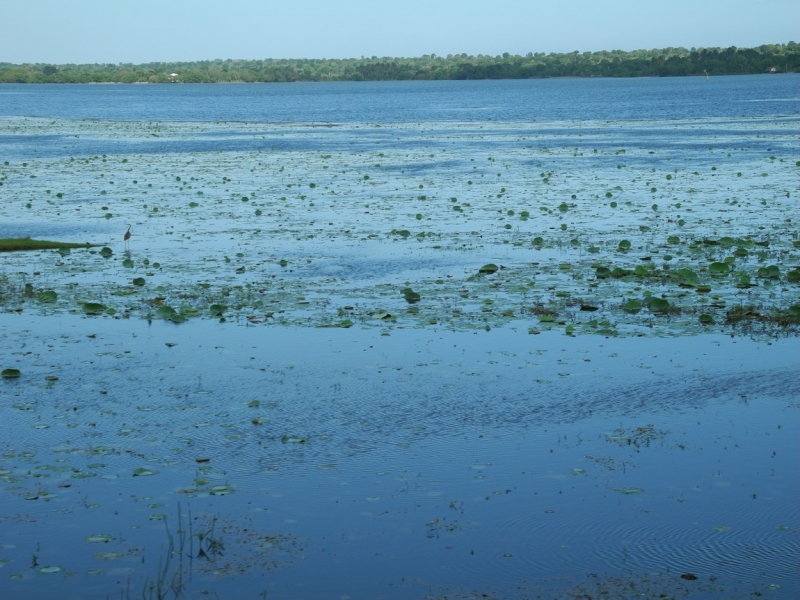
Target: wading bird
[{"x": 127, "y": 235}]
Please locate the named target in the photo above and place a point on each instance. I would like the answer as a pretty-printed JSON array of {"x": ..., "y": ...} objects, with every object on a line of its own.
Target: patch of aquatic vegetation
[
  {"x": 638, "y": 437},
  {"x": 204, "y": 544},
  {"x": 585, "y": 228},
  {"x": 191, "y": 546},
  {"x": 19, "y": 244}
]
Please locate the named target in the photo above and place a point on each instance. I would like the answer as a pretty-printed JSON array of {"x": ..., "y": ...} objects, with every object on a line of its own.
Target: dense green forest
[{"x": 666, "y": 62}]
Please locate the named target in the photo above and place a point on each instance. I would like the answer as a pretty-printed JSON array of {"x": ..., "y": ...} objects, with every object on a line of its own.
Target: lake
[{"x": 505, "y": 339}]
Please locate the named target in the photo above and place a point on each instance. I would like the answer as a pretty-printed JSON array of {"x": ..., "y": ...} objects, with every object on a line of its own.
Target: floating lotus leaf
[
  {"x": 686, "y": 275},
  {"x": 165, "y": 312},
  {"x": 138, "y": 281},
  {"x": 706, "y": 319},
  {"x": 410, "y": 295},
  {"x": 127, "y": 263},
  {"x": 628, "y": 490},
  {"x": 744, "y": 282},
  {"x": 93, "y": 308},
  {"x": 770, "y": 272},
  {"x": 719, "y": 268},
  {"x": 602, "y": 272},
  {"x": 488, "y": 268},
  {"x": 293, "y": 439},
  {"x": 619, "y": 272},
  {"x": 48, "y": 296},
  {"x": 658, "y": 304},
  {"x": 216, "y": 310},
  {"x": 632, "y": 306},
  {"x": 143, "y": 472},
  {"x": 793, "y": 276},
  {"x": 624, "y": 245},
  {"x": 50, "y": 569},
  {"x": 106, "y": 252},
  {"x": 10, "y": 373},
  {"x": 98, "y": 539}
]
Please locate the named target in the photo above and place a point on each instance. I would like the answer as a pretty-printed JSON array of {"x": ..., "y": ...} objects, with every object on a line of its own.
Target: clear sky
[{"x": 138, "y": 31}]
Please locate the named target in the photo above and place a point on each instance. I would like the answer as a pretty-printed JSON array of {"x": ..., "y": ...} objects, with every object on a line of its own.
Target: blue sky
[{"x": 137, "y": 31}]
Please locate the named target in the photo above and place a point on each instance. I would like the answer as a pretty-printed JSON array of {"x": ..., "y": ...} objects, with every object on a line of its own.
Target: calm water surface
[
  {"x": 415, "y": 101},
  {"x": 377, "y": 462}
]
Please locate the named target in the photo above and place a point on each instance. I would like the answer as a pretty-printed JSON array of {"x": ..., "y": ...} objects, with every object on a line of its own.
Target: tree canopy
[{"x": 664, "y": 62}]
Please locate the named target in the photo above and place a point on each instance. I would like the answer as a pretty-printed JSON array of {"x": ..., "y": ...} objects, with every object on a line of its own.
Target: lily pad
[
  {"x": 50, "y": 569},
  {"x": 47, "y": 297},
  {"x": 217, "y": 310},
  {"x": 719, "y": 268},
  {"x": 10, "y": 373},
  {"x": 770, "y": 272},
  {"x": 658, "y": 304},
  {"x": 144, "y": 472},
  {"x": 410, "y": 295},
  {"x": 627, "y": 490},
  {"x": 93, "y": 308},
  {"x": 632, "y": 306}
]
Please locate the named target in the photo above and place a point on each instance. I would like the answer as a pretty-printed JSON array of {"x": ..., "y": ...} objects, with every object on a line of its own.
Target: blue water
[
  {"x": 410, "y": 101},
  {"x": 437, "y": 462}
]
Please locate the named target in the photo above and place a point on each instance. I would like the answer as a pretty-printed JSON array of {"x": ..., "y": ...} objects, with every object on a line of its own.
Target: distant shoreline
[
  {"x": 138, "y": 83},
  {"x": 665, "y": 62}
]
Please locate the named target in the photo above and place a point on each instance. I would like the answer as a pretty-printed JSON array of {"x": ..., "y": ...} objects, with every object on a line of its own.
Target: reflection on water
[{"x": 351, "y": 463}]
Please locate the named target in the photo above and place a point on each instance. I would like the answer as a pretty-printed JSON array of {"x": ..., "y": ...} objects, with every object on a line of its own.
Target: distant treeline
[{"x": 665, "y": 62}]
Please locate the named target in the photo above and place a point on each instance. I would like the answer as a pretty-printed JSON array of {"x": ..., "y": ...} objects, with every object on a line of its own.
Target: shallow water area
[
  {"x": 389, "y": 466},
  {"x": 598, "y": 214}
]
